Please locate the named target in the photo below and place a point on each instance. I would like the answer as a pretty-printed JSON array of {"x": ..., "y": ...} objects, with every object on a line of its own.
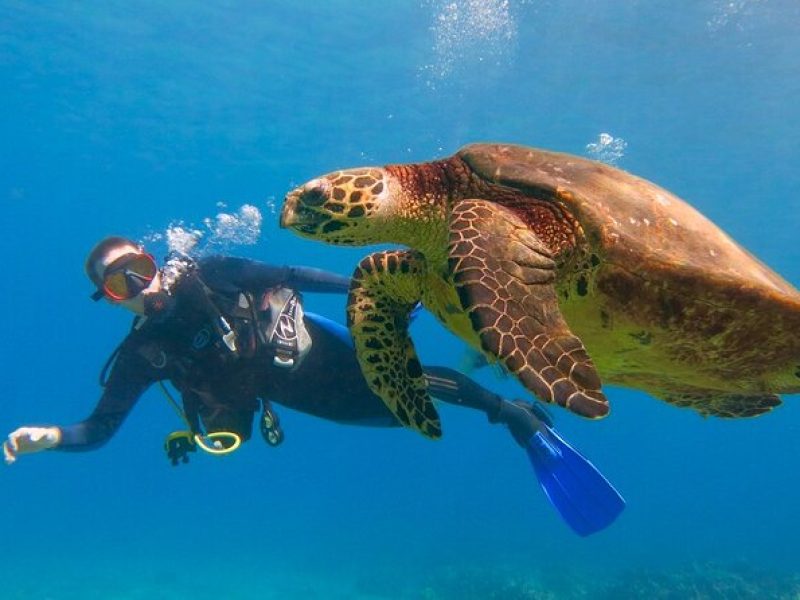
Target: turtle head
[{"x": 345, "y": 207}]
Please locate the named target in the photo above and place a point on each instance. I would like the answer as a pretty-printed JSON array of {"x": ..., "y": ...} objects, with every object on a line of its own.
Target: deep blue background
[{"x": 125, "y": 117}]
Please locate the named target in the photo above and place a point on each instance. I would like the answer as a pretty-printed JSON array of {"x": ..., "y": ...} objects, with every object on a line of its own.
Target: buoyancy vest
[
  {"x": 247, "y": 323},
  {"x": 272, "y": 321}
]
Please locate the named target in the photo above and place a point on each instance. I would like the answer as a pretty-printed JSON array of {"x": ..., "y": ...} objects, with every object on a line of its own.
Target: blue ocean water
[{"x": 133, "y": 117}]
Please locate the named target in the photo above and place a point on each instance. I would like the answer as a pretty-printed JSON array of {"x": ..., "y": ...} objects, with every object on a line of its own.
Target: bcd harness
[{"x": 273, "y": 322}]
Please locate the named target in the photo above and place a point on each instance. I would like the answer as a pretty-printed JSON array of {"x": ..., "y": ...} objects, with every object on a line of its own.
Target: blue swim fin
[{"x": 584, "y": 498}]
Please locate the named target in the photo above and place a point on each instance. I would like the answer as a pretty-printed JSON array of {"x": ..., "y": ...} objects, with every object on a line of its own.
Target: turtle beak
[{"x": 288, "y": 211}]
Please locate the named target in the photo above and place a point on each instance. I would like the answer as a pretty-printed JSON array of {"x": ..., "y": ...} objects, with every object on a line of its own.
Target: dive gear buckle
[{"x": 228, "y": 334}]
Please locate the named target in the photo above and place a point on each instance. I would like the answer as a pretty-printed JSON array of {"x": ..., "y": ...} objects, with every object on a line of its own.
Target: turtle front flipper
[
  {"x": 504, "y": 275},
  {"x": 384, "y": 290}
]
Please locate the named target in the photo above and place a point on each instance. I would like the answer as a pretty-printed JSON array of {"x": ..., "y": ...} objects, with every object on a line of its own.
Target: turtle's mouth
[{"x": 302, "y": 219}]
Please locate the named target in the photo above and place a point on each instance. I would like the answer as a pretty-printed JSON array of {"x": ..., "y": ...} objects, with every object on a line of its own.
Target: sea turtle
[{"x": 566, "y": 270}]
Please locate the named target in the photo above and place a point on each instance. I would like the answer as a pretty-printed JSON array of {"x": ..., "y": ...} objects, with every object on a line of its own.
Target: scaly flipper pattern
[
  {"x": 384, "y": 290},
  {"x": 504, "y": 276}
]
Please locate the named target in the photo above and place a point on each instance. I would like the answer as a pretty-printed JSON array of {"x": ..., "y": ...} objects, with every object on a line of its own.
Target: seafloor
[{"x": 692, "y": 582}]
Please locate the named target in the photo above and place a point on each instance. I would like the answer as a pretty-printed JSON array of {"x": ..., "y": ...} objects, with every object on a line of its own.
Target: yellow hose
[
  {"x": 236, "y": 441},
  {"x": 234, "y": 438}
]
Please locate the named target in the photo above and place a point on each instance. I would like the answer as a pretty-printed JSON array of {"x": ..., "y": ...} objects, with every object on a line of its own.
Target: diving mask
[{"x": 127, "y": 276}]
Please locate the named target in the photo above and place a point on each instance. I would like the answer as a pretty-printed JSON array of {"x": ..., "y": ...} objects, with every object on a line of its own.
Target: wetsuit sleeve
[
  {"x": 309, "y": 279},
  {"x": 130, "y": 376},
  {"x": 241, "y": 273}
]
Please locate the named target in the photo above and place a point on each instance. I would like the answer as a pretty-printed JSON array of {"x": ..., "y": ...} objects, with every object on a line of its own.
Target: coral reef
[
  {"x": 485, "y": 584},
  {"x": 706, "y": 582},
  {"x": 688, "y": 582}
]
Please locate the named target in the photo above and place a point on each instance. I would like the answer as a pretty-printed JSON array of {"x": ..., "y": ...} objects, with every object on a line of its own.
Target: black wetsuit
[{"x": 220, "y": 388}]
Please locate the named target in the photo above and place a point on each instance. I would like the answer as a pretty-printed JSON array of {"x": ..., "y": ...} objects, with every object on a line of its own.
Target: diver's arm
[
  {"x": 90, "y": 433},
  {"x": 242, "y": 273},
  {"x": 130, "y": 376},
  {"x": 309, "y": 279},
  {"x": 125, "y": 385}
]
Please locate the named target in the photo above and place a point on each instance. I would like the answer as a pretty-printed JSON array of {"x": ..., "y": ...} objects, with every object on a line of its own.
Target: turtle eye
[
  {"x": 314, "y": 197},
  {"x": 315, "y": 192}
]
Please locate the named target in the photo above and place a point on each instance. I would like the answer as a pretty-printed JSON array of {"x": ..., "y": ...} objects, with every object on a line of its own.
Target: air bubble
[
  {"x": 218, "y": 235},
  {"x": 607, "y": 148},
  {"x": 467, "y": 32}
]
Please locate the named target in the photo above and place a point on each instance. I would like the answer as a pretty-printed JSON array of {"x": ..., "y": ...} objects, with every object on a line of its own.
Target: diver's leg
[
  {"x": 583, "y": 497},
  {"x": 453, "y": 387},
  {"x": 523, "y": 419}
]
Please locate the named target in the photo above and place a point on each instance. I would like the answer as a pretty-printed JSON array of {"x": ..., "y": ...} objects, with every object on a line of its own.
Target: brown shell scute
[
  {"x": 637, "y": 224},
  {"x": 661, "y": 297},
  {"x": 525, "y": 169}
]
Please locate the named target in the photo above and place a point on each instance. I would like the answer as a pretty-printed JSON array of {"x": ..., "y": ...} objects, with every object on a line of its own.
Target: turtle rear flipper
[
  {"x": 726, "y": 405},
  {"x": 504, "y": 276},
  {"x": 384, "y": 291}
]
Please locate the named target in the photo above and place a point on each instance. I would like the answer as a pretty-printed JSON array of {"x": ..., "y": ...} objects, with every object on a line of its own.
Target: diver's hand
[{"x": 27, "y": 440}]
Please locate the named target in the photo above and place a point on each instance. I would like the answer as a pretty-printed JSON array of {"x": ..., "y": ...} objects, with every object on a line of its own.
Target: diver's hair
[{"x": 97, "y": 253}]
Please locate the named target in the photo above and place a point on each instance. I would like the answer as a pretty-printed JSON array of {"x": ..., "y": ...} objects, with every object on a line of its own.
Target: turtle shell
[{"x": 632, "y": 222}]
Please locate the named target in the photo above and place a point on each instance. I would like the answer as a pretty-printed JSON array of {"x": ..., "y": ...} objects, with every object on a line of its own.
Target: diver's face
[
  {"x": 146, "y": 275},
  {"x": 136, "y": 304}
]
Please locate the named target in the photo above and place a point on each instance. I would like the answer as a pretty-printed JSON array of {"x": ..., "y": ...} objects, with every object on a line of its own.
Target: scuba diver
[{"x": 230, "y": 334}]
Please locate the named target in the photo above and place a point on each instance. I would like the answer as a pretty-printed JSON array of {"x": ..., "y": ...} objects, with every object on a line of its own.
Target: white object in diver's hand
[{"x": 27, "y": 440}]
